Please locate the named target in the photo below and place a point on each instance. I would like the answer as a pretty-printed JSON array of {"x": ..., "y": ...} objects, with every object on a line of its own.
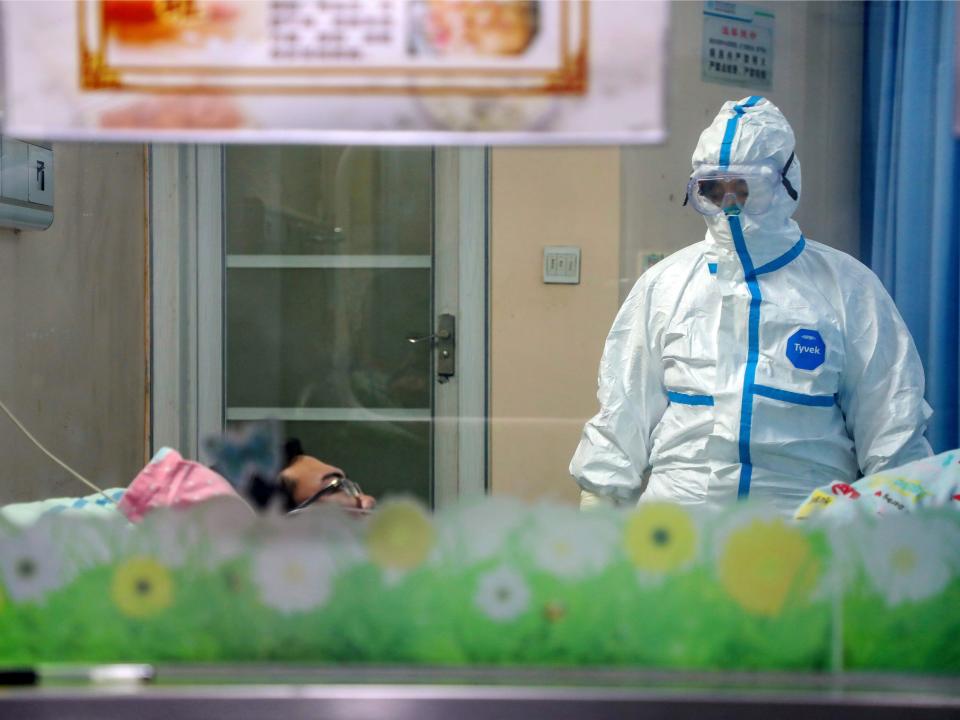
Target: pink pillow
[{"x": 171, "y": 481}]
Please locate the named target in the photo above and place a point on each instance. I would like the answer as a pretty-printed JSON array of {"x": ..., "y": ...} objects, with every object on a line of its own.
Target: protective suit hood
[{"x": 748, "y": 132}]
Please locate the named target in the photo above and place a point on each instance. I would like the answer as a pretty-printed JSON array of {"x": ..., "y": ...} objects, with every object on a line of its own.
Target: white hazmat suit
[{"x": 754, "y": 363}]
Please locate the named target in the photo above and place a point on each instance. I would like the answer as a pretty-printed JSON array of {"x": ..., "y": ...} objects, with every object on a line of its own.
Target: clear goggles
[{"x": 736, "y": 189}]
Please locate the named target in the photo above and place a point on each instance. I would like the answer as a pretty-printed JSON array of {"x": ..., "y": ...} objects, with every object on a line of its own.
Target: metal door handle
[
  {"x": 445, "y": 340},
  {"x": 439, "y": 335}
]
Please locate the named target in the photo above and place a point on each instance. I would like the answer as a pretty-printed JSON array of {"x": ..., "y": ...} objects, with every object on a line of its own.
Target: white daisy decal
[
  {"x": 572, "y": 545},
  {"x": 293, "y": 576},
  {"x": 477, "y": 532},
  {"x": 502, "y": 594},
  {"x": 30, "y": 563},
  {"x": 908, "y": 558}
]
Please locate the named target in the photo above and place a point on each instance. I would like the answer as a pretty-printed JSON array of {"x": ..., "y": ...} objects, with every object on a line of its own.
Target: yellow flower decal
[
  {"x": 765, "y": 562},
  {"x": 660, "y": 538},
  {"x": 142, "y": 587},
  {"x": 400, "y": 536}
]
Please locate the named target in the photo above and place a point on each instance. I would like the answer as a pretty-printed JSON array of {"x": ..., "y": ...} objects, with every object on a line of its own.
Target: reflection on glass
[
  {"x": 329, "y": 271},
  {"x": 383, "y": 457},
  {"x": 328, "y": 201},
  {"x": 327, "y": 338}
]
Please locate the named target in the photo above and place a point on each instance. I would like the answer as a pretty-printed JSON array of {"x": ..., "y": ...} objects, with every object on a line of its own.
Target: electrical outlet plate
[{"x": 561, "y": 264}]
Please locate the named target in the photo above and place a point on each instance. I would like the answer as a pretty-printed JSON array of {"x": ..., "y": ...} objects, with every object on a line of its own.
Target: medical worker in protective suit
[{"x": 756, "y": 363}]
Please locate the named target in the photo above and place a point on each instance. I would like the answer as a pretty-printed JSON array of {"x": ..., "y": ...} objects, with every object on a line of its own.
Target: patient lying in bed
[{"x": 170, "y": 480}]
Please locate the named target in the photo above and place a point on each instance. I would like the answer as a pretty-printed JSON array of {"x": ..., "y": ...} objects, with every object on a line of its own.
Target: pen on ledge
[{"x": 122, "y": 674}]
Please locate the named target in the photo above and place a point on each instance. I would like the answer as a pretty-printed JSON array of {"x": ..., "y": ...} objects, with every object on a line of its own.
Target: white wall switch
[{"x": 561, "y": 264}]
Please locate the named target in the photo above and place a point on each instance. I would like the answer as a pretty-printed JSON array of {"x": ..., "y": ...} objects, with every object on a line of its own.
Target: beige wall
[
  {"x": 72, "y": 328},
  {"x": 546, "y": 340}
]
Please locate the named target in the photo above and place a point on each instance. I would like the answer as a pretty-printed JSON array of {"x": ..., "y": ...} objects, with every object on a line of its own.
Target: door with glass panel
[{"x": 352, "y": 287}]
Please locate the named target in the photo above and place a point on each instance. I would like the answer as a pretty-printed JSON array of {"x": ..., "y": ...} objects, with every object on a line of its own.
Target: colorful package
[{"x": 931, "y": 482}]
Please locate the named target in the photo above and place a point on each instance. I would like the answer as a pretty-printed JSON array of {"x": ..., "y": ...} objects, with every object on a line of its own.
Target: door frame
[
  {"x": 461, "y": 268},
  {"x": 187, "y": 301},
  {"x": 186, "y": 287}
]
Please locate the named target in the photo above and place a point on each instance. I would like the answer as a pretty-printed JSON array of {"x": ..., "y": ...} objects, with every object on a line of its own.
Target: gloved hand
[{"x": 590, "y": 501}]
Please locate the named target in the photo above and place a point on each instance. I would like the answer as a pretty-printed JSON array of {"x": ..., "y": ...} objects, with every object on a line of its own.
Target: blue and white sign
[
  {"x": 737, "y": 45},
  {"x": 806, "y": 349}
]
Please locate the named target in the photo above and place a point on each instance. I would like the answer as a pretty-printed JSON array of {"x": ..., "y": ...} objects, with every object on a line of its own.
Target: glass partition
[
  {"x": 329, "y": 263},
  {"x": 690, "y": 405}
]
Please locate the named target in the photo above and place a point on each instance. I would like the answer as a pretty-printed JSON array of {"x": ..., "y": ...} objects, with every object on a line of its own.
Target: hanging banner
[{"x": 337, "y": 71}]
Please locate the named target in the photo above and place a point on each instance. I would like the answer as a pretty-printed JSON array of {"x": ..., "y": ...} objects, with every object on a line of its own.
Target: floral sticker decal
[
  {"x": 400, "y": 536},
  {"x": 502, "y": 594},
  {"x": 569, "y": 544},
  {"x": 30, "y": 563},
  {"x": 908, "y": 558},
  {"x": 660, "y": 539},
  {"x": 764, "y": 562},
  {"x": 293, "y": 576},
  {"x": 142, "y": 588}
]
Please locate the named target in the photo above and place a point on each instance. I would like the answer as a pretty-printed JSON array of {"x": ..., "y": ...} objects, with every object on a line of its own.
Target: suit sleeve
[
  {"x": 883, "y": 386},
  {"x": 614, "y": 449}
]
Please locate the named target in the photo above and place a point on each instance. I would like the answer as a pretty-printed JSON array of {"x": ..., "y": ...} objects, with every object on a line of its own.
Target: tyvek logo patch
[{"x": 806, "y": 350}]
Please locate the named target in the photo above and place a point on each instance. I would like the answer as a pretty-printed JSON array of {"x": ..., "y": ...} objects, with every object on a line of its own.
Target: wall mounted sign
[{"x": 737, "y": 45}]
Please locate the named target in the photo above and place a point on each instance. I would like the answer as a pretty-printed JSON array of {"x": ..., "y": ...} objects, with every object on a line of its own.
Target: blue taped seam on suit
[
  {"x": 756, "y": 298},
  {"x": 687, "y": 399},
  {"x": 728, "y": 140},
  {"x": 795, "y": 398},
  {"x": 753, "y": 353},
  {"x": 784, "y": 259},
  {"x": 731, "y": 129}
]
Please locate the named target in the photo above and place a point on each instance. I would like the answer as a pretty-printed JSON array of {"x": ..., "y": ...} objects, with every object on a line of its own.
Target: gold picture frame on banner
[{"x": 100, "y": 21}]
